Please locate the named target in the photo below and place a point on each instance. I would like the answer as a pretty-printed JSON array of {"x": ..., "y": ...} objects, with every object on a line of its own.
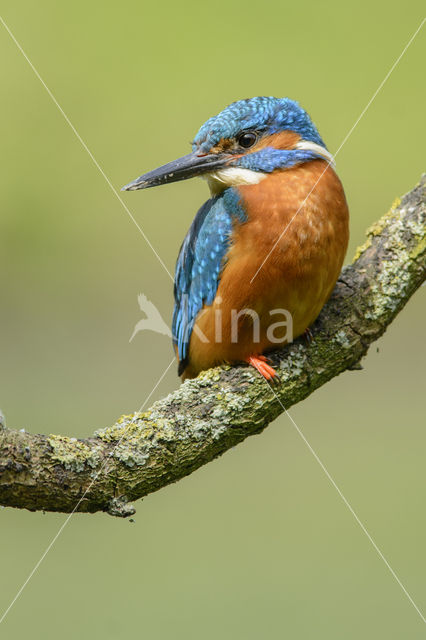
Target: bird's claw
[{"x": 260, "y": 363}]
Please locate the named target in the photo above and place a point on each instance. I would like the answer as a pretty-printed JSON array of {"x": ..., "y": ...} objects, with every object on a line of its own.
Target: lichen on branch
[{"x": 203, "y": 418}]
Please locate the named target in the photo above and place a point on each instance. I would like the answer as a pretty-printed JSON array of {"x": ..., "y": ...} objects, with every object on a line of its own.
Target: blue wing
[{"x": 199, "y": 265}]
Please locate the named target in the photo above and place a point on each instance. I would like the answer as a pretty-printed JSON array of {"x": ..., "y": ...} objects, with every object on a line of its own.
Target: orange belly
[{"x": 304, "y": 254}]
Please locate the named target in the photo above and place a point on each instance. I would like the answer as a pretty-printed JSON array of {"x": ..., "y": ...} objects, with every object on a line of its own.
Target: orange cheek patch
[{"x": 282, "y": 140}]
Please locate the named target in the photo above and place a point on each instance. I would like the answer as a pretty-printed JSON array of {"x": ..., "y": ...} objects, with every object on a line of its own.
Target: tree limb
[{"x": 204, "y": 417}]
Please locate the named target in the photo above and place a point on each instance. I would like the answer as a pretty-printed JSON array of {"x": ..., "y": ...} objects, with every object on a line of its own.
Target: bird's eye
[{"x": 247, "y": 139}]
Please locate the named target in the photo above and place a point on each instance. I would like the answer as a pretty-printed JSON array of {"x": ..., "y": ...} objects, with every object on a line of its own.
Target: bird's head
[{"x": 242, "y": 144}]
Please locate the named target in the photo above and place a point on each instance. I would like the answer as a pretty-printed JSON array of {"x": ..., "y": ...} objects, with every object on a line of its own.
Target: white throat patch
[{"x": 233, "y": 177}]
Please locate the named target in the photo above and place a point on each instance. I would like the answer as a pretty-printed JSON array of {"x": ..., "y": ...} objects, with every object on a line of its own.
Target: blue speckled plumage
[
  {"x": 200, "y": 262},
  {"x": 268, "y": 159},
  {"x": 267, "y": 115}
]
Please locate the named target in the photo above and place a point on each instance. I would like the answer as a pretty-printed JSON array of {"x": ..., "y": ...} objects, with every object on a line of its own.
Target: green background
[{"x": 257, "y": 544}]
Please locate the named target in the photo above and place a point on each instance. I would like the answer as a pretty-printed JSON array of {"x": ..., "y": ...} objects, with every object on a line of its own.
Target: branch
[{"x": 205, "y": 417}]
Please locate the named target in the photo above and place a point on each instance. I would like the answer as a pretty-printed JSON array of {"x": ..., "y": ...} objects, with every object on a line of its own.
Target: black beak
[{"x": 181, "y": 169}]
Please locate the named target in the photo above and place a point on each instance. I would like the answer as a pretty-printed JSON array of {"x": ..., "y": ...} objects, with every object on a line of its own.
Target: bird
[{"x": 271, "y": 238}]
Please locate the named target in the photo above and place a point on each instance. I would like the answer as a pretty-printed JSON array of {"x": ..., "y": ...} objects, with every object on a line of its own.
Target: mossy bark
[{"x": 204, "y": 417}]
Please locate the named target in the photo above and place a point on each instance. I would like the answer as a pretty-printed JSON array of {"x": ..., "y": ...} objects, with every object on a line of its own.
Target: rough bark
[{"x": 204, "y": 417}]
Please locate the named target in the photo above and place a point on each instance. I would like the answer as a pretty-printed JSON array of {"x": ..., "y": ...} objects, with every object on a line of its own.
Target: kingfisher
[{"x": 271, "y": 238}]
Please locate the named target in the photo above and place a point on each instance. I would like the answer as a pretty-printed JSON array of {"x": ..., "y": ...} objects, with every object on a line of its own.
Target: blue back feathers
[{"x": 200, "y": 263}]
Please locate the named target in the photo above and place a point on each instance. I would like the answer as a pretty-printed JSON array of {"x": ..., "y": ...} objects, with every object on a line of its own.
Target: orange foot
[{"x": 261, "y": 364}]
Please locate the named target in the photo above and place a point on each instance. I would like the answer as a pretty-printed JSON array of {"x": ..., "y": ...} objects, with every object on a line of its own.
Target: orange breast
[{"x": 304, "y": 243}]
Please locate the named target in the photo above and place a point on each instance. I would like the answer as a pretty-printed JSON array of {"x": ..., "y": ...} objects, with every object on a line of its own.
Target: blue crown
[{"x": 266, "y": 115}]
